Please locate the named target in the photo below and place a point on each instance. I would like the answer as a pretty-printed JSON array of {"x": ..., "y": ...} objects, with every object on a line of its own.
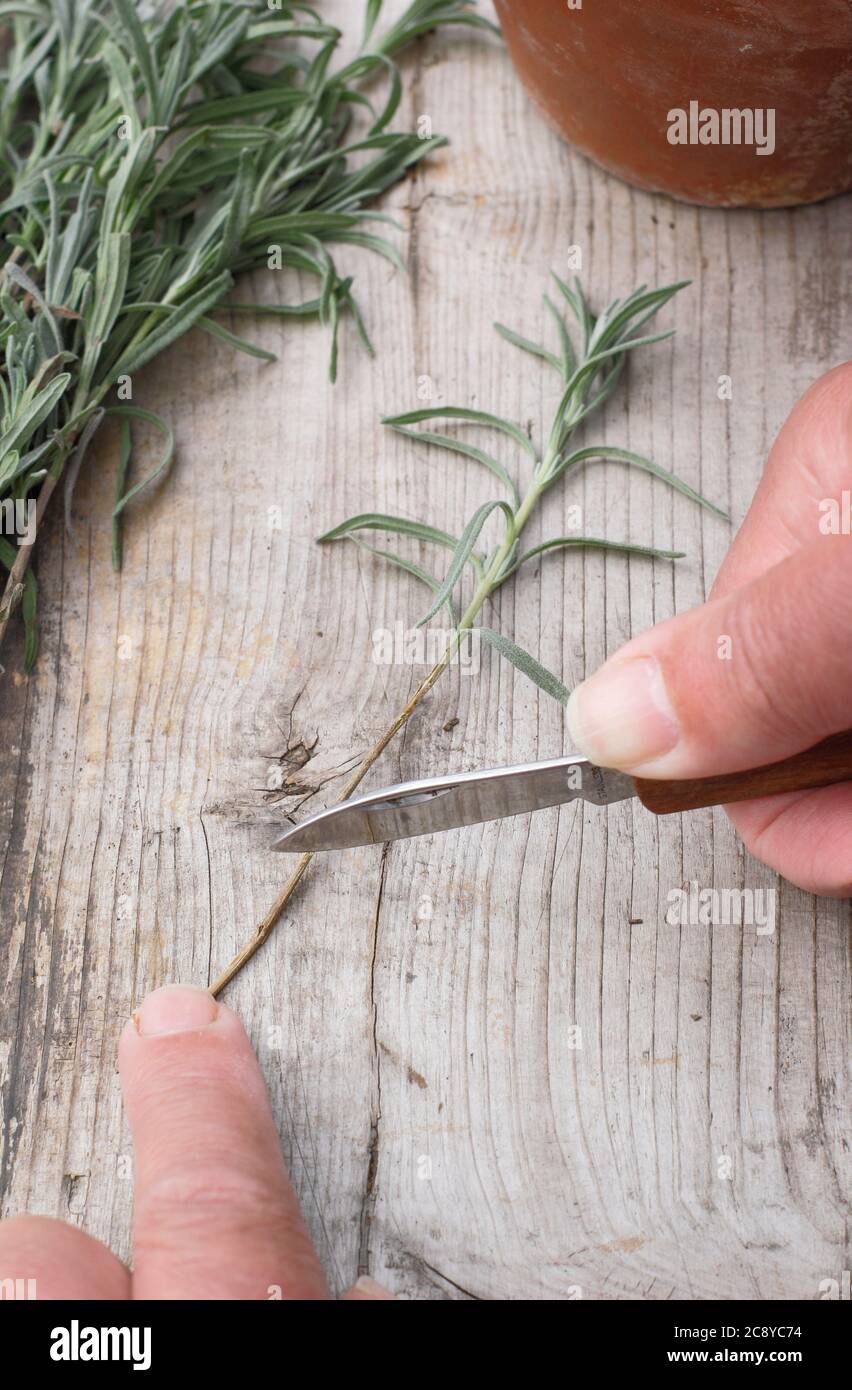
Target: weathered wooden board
[{"x": 416, "y": 1013}]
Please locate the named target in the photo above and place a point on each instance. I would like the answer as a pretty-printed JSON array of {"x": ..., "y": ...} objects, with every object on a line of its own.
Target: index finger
[{"x": 215, "y": 1214}]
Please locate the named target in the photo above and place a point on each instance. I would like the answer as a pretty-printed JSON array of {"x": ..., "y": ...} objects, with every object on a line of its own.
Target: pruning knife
[{"x": 470, "y": 798}]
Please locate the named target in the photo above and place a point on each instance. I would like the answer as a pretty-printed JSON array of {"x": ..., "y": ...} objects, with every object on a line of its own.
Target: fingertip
[
  {"x": 47, "y": 1260},
  {"x": 622, "y": 716},
  {"x": 175, "y": 1009},
  {"x": 215, "y": 1214},
  {"x": 181, "y": 1046},
  {"x": 177, "y": 1012}
]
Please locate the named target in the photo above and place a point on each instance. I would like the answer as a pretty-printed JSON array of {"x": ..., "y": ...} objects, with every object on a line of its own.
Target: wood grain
[{"x": 498, "y": 1071}]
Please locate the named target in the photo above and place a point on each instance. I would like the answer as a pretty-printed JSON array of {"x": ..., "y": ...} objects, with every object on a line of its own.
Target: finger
[
  {"x": 755, "y": 676},
  {"x": 215, "y": 1215},
  {"x": 806, "y": 836},
  {"x": 808, "y": 468},
  {"x": 366, "y": 1290},
  {"x": 47, "y": 1260}
]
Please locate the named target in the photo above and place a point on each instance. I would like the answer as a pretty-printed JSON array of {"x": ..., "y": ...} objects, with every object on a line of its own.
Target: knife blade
[
  {"x": 470, "y": 798},
  {"x": 444, "y": 803}
]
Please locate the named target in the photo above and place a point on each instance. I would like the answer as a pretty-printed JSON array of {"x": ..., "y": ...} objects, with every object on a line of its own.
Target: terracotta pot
[{"x": 613, "y": 76}]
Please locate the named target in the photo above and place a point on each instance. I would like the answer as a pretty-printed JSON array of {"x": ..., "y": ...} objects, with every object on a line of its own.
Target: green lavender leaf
[
  {"x": 425, "y": 15},
  {"x": 22, "y": 10},
  {"x": 175, "y": 325},
  {"x": 125, "y": 455},
  {"x": 366, "y": 67},
  {"x": 66, "y": 248},
  {"x": 120, "y": 205},
  {"x": 140, "y": 47},
  {"x": 458, "y": 446},
  {"x": 646, "y": 465},
  {"x": 464, "y": 550},
  {"x": 217, "y": 331},
  {"x": 373, "y": 9},
  {"x": 21, "y": 429},
  {"x": 577, "y": 302},
  {"x": 122, "y": 77},
  {"x": 525, "y": 663},
  {"x": 29, "y": 613},
  {"x": 47, "y": 319},
  {"x": 591, "y": 543},
  {"x": 239, "y": 211},
  {"x": 229, "y": 40},
  {"x": 473, "y": 417},
  {"x": 594, "y": 402},
  {"x": 72, "y": 472},
  {"x": 398, "y": 525},
  {"x": 379, "y": 245},
  {"x": 29, "y": 603},
  {"x": 568, "y": 362},
  {"x": 113, "y": 268},
  {"x": 527, "y": 345},
  {"x": 137, "y": 412},
  {"x": 581, "y": 380},
  {"x": 410, "y": 567},
  {"x": 309, "y": 309},
  {"x": 635, "y": 311}
]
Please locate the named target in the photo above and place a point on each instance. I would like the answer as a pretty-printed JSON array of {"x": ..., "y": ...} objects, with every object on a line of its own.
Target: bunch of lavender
[{"x": 148, "y": 154}]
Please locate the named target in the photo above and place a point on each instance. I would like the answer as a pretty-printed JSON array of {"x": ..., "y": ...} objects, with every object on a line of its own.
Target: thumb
[{"x": 752, "y": 677}]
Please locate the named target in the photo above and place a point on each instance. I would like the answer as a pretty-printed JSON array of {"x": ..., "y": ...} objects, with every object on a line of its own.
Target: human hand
[
  {"x": 763, "y": 670},
  {"x": 215, "y": 1214}
]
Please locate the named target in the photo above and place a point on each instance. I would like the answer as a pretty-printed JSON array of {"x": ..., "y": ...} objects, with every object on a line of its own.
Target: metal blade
[{"x": 443, "y": 803}]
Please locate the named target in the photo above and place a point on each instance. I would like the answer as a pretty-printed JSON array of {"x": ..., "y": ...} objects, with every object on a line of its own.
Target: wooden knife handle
[{"x": 822, "y": 766}]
